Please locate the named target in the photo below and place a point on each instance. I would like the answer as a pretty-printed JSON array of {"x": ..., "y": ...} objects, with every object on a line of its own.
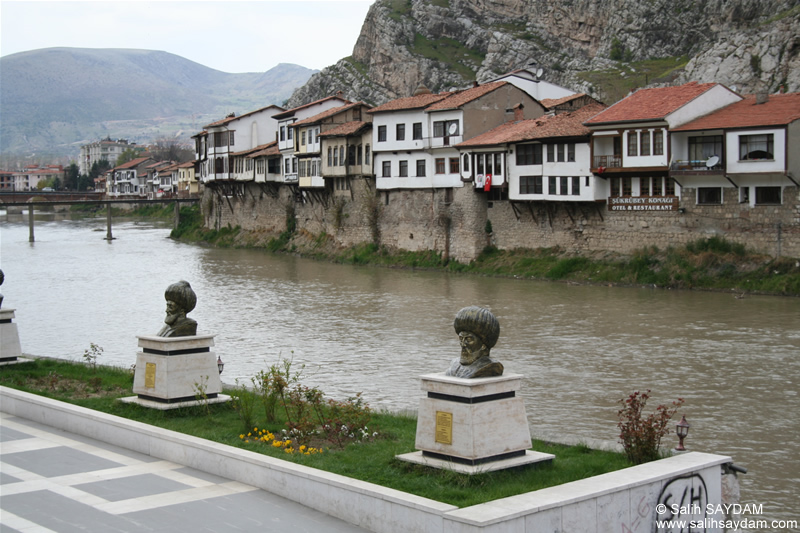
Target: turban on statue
[
  {"x": 479, "y": 321},
  {"x": 182, "y": 294}
]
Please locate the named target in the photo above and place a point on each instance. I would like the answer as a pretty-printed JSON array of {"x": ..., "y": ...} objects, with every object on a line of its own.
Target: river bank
[{"x": 705, "y": 264}]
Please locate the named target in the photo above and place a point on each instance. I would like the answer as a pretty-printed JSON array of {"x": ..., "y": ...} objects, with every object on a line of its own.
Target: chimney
[
  {"x": 762, "y": 97},
  {"x": 518, "y": 115}
]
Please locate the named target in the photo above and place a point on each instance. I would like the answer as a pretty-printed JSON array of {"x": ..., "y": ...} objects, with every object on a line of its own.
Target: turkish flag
[{"x": 487, "y": 185}]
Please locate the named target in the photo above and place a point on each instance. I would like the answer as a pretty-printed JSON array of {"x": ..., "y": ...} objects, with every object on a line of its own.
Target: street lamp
[
  {"x": 681, "y": 429},
  {"x": 220, "y": 364}
]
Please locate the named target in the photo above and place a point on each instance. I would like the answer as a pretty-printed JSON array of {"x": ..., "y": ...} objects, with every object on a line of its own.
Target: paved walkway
[{"x": 54, "y": 481}]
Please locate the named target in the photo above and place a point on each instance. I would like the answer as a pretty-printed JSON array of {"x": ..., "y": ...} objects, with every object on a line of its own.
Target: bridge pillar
[
  {"x": 177, "y": 216},
  {"x": 30, "y": 224},
  {"x": 109, "y": 237}
]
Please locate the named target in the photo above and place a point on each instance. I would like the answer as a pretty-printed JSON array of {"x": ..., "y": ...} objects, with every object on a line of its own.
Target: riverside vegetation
[
  {"x": 365, "y": 450},
  {"x": 712, "y": 263}
]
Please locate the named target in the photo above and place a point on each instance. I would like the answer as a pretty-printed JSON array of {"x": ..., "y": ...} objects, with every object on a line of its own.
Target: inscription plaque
[
  {"x": 150, "y": 376},
  {"x": 444, "y": 427}
]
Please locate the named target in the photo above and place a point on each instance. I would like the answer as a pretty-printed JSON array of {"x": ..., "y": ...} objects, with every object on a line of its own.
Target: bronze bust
[
  {"x": 478, "y": 331},
  {"x": 181, "y": 299}
]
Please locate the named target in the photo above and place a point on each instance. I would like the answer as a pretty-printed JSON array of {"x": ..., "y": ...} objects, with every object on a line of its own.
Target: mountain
[
  {"x": 601, "y": 47},
  {"x": 55, "y": 99}
]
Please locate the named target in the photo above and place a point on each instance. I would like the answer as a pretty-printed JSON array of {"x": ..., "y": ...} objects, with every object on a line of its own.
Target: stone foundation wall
[{"x": 453, "y": 221}]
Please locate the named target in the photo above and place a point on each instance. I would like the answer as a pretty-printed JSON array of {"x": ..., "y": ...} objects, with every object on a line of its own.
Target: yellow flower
[
  {"x": 303, "y": 448},
  {"x": 241, "y": 436}
]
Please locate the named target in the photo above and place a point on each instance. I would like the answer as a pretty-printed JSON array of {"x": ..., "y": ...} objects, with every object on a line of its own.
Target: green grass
[
  {"x": 616, "y": 83},
  {"x": 373, "y": 461},
  {"x": 452, "y": 53}
]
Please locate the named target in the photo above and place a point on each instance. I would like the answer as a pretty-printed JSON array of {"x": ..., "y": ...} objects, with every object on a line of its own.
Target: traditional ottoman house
[
  {"x": 267, "y": 163},
  {"x": 318, "y": 154},
  {"x": 630, "y": 142},
  {"x": 415, "y": 138},
  {"x": 548, "y": 158},
  {"x": 187, "y": 180},
  {"x": 130, "y": 179},
  {"x": 745, "y": 155},
  {"x": 224, "y": 145},
  {"x": 288, "y": 145}
]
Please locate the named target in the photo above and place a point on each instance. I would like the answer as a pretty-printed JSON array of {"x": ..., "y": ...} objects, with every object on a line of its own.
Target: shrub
[{"x": 641, "y": 435}]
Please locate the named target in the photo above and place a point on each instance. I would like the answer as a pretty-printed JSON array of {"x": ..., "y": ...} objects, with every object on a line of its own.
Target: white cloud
[{"x": 238, "y": 36}]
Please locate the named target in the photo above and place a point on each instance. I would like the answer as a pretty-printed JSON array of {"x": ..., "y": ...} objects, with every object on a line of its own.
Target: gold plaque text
[
  {"x": 444, "y": 427},
  {"x": 150, "y": 376}
]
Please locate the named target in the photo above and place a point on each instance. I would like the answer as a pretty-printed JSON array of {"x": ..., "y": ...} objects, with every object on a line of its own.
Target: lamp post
[
  {"x": 681, "y": 429},
  {"x": 220, "y": 364}
]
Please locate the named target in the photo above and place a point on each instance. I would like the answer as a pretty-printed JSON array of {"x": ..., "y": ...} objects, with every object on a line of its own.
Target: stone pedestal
[
  {"x": 174, "y": 372},
  {"x": 473, "y": 425},
  {"x": 10, "y": 349}
]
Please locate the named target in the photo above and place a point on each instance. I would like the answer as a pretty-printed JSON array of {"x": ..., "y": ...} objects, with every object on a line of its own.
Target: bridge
[{"x": 34, "y": 199}]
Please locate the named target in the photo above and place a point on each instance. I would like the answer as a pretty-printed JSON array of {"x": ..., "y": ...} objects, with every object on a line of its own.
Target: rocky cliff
[{"x": 601, "y": 47}]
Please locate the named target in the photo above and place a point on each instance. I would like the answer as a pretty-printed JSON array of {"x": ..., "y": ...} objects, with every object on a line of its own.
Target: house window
[
  {"x": 551, "y": 153},
  {"x": 754, "y": 147},
  {"x": 420, "y": 167},
  {"x": 658, "y": 142},
  {"x": 260, "y": 166},
  {"x": 466, "y": 162},
  {"x": 386, "y": 169},
  {"x": 644, "y": 143},
  {"x": 527, "y": 184},
  {"x": 220, "y": 139},
  {"x": 529, "y": 154},
  {"x": 445, "y": 129},
  {"x": 341, "y": 155},
  {"x": 303, "y": 138},
  {"x": 335, "y": 156},
  {"x": 564, "y": 186},
  {"x": 576, "y": 186},
  {"x": 404, "y": 169},
  {"x": 571, "y": 152},
  {"x": 287, "y": 166},
  {"x": 454, "y": 165},
  {"x": 274, "y": 165},
  {"x": 283, "y": 133},
  {"x": 552, "y": 186},
  {"x": 219, "y": 165},
  {"x": 230, "y": 138},
  {"x": 351, "y": 154},
  {"x": 657, "y": 189},
  {"x": 416, "y": 130},
  {"x": 701, "y": 148},
  {"x": 709, "y": 195},
  {"x": 768, "y": 195},
  {"x": 381, "y": 134},
  {"x": 330, "y": 156},
  {"x": 294, "y": 165},
  {"x": 290, "y": 133},
  {"x": 448, "y": 195},
  {"x": 632, "y": 143},
  {"x": 401, "y": 132},
  {"x": 560, "y": 153},
  {"x": 644, "y": 186},
  {"x": 498, "y": 164},
  {"x": 359, "y": 155},
  {"x": 440, "y": 165},
  {"x": 627, "y": 186},
  {"x": 669, "y": 187},
  {"x": 366, "y": 155}
]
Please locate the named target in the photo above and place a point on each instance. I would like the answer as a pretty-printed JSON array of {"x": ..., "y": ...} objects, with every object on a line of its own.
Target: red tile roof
[
  {"x": 460, "y": 98},
  {"x": 410, "y": 102},
  {"x": 292, "y": 111},
  {"x": 250, "y": 151},
  {"x": 266, "y": 150},
  {"x": 550, "y": 103},
  {"x": 651, "y": 104},
  {"x": 328, "y": 113},
  {"x": 132, "y": 163},
  {"x": 779, "y": 110},
  {"x": 234, "y": 117},
  {"x": 546, "y": 127},
  {"x": 343, "y": 130}
]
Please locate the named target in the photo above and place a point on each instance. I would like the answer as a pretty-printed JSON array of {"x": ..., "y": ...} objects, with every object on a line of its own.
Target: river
[{"x": 735, "y": 360}]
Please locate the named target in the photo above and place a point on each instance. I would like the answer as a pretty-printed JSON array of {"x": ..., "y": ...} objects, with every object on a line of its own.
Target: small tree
[{"x": 641, "y": 435}]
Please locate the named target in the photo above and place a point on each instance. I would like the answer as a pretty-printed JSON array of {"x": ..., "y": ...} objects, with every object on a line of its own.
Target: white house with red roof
[
  {"x": 129, "y": 179},
  {"x": 548, "y": 158},
  {"x": 288, "y": 144},
  {"x": 415, "y": 138},
  {"x": 217, "y": 146},
  {"x": 630, "y": 141},
  {"x": 529, "y": 80},
  {"x": 746, "y": 153},
  {"x": 319, "y": 155}
]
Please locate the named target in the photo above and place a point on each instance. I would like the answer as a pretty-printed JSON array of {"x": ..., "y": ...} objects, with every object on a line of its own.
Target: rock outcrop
[{"x": 445, "y": 44}]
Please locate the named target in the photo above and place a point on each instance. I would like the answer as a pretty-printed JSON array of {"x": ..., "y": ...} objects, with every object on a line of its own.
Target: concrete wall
[
  {"x": 625, "y": 500},
  {"x": 452, "y": 221}
]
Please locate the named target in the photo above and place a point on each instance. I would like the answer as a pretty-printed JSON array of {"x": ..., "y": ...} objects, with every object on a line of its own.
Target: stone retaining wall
[{"x": 453, "y": 221}]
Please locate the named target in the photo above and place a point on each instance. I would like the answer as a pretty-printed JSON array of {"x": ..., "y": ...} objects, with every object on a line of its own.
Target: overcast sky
[{"x": 231, "y": 36}]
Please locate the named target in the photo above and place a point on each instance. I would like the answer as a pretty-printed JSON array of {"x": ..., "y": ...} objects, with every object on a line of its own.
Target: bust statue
[
  {"x": 180, "y": 300},
  {"x": 478, "y": 331}
]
